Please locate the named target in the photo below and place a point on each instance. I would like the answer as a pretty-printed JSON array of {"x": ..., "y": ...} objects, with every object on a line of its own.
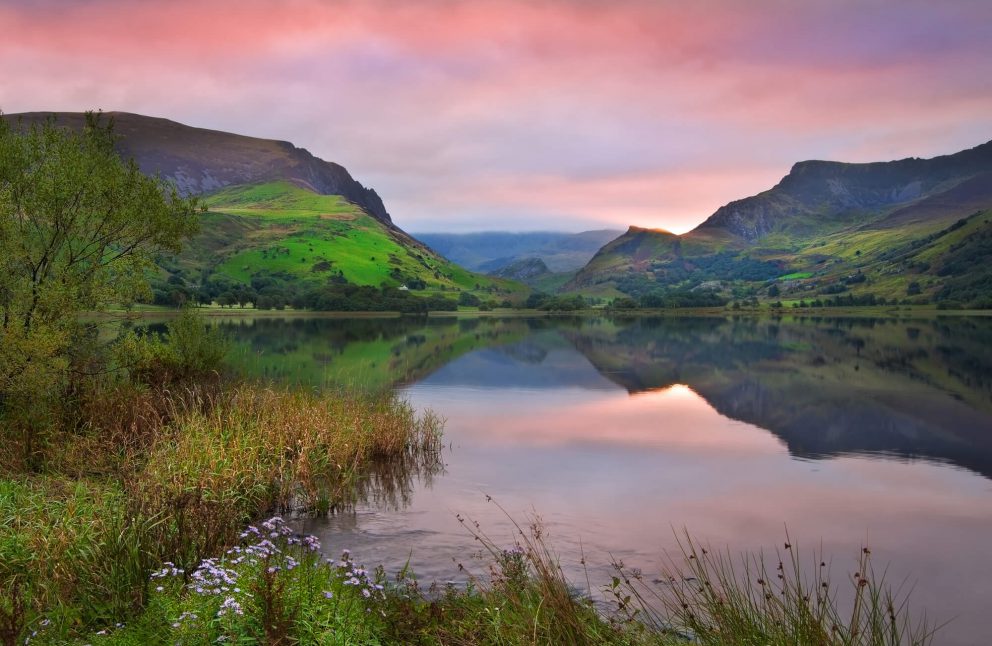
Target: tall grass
[
  {"x": 703, "y": 597},
  {"x": 142, "y": 475},
  {"x": 248, "y": 449},
  {"x": 525, "y": 598},
  {"x": 713, "y": 598}
]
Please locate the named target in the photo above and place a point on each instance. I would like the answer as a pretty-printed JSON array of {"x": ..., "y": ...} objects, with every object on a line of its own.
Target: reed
[
  {"x": 525, "y": 599},
  {"x": 232, "y": 455},
  {"x": 713, "y": 598},
  {"x": 142, "y": 475}
]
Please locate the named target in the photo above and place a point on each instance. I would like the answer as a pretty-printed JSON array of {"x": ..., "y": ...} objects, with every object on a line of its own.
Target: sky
[{"x": 469, "y": 115}]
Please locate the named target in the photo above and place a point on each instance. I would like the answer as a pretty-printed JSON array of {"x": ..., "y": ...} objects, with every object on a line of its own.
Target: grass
[
  {"x": 269, "y": 585},
  {"x": 174, "y": 473},
  {"x": 703, "y": 598},
  {"x": 281, "y": 228},
  {"x": 280, "y": 200},
  {"x": 273, "y": 587},
  {"x": 719, "y": 600}
]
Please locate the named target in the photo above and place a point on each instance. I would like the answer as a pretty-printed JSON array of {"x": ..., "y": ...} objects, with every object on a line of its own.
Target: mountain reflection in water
[
  {"x": 825, "y": 387},
  {"x": 621, "y": 432}
]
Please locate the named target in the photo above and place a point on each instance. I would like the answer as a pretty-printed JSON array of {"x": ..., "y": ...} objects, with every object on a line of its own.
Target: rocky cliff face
[
  {"x": 200, "y": 160},
  {"x": 823, "y": 194}
]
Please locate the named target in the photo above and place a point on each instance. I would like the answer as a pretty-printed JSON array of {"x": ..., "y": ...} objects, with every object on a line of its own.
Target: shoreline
[{"x": 872, "y": 312}]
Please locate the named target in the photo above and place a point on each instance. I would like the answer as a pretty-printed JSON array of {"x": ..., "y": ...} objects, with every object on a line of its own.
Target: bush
[
  {"x": 469, "y": 299},
  {"x": 188, "y": 350},
  {"x": 623, "y": 303}
]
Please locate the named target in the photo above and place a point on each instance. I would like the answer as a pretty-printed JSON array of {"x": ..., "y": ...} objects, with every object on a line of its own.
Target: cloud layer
[{"x": 538, "y": 114}]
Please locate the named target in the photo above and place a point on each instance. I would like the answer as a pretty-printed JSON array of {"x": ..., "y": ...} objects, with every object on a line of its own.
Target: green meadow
[{"x": 278, "y": 231}]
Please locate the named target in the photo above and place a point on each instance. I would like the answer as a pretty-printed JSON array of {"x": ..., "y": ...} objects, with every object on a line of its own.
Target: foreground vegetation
[
  {"x": 273, "y": 586},
  {"x": 165, "y": 460}
]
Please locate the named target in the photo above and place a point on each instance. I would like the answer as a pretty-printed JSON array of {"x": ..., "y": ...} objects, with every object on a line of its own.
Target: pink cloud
[{"x": 630, "y": 112}]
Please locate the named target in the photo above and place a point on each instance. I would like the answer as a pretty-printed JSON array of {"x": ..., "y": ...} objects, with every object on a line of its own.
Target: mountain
[
  {"x": 534, "y": 273},
  {"x": 818, "y": 196},
  {"x": 523, "y": 270},
  {"x": 264, "y": 236},
  {"x": 910, "y": 228},
  {"x": 493, "y": 250},
  {"x": 283, "y": 227},
  {"x": 201, "y": 161}
]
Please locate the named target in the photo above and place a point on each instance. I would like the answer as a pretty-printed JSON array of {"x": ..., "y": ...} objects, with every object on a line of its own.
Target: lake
[{"x": 618, "y": 433}]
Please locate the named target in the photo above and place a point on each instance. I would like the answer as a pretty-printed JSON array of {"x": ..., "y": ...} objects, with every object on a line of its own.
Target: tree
[{"x": 78, "y": 230}]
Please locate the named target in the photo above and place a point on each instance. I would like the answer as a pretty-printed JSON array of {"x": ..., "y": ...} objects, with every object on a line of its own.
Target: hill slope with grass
[
  {"x": 272, "y": 243},
  {"x": 916, "y": 229}
]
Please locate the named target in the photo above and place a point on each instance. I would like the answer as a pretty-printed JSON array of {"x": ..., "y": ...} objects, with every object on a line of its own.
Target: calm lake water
[{"x": 618, "y": 433}]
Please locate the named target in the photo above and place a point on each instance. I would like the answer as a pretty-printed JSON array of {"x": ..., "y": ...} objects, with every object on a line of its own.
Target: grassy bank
[
  {"x": 277, "y": 587},
  {"x": 164, "y": 459}
]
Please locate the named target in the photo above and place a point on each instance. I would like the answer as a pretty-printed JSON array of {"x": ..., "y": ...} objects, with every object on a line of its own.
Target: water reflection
[
  {"x": 619, "y": 431},
  {"x": 825, "y": 387}
]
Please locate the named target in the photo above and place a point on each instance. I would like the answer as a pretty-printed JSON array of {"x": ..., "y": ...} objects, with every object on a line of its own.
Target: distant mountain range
[
  {"x": 913, "y": 228},
  {"x": 281, "y": 221},
  {"x": 491, "y": 251}
]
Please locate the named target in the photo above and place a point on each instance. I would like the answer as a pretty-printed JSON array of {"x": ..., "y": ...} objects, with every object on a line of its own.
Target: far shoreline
[{"x": 892, "y": 312}]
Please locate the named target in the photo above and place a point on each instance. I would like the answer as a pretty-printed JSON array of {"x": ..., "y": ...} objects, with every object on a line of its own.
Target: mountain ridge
[
  {"x": 489, "y": 251},
  {"x": 842, "y": 191},
  {"x": 907, "y": 228},
  {"x": 202, "y": 160}
]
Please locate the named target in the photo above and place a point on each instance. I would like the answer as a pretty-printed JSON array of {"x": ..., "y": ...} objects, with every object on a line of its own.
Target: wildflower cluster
[
  {"x": 357, "y": 577},
  {"x": 510, "y": 567},
  {"x": 239, "y": 583}
]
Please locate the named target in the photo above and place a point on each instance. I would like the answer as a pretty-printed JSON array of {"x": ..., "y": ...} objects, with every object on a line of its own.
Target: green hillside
[
  {"x": 916, "y": 230},
  {"x": 278, "y": 241}
]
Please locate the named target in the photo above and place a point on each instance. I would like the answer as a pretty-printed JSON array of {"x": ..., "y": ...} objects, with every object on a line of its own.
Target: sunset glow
[{"x": 554, "y": 114}]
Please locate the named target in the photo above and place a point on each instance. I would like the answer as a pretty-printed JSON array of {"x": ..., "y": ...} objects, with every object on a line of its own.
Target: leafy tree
[
  {"x": 536, "y": 299},
  {"x": 623, "y": 303},
  {"x": 78, "y": 230},
  {"x": 469, "y": 300}
]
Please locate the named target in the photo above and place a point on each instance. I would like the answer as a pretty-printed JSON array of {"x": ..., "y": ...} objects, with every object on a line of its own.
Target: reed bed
[
  {"x": 712, "y": 597},
  {"x": 141, "y": 475},
  {"x": 704, "y": 597},
  {"x": 223, "y": 462}
]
